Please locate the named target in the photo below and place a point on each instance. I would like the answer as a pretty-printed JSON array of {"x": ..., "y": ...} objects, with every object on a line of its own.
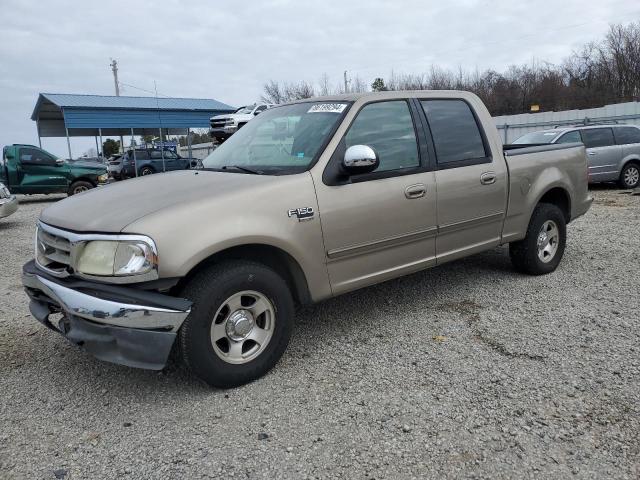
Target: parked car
[
  {"x": 8, "y": 202},
  {"x": 147, "y": 161},
  {"x": 308, "y": 201},
  {"x": 613, "y": 151},
  {"x": 28, "y": 169},
  {"x": 223, "y": 126},
  {"x": 114, "y": 166}
]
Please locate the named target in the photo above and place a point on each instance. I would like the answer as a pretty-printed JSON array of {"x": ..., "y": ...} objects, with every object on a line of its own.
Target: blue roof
[
  {"x": 56, "y": 112},
  {"x": 67, "y": 100}
]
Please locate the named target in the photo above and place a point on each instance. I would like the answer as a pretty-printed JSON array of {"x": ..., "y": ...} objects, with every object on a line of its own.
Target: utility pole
[
  {"x": 346, "y": 83},
  {"x": 114, "y": 69}
]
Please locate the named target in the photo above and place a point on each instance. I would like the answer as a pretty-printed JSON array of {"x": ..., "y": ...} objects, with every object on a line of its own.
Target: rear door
[
  {"x": 472, "y": 185},
  {"x": 39, "y": 172},
  {"x": 603, "y": 155}
]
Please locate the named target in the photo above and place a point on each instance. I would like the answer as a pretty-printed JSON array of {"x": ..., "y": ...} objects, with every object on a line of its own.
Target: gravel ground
[{"x": 467, "y": 370}]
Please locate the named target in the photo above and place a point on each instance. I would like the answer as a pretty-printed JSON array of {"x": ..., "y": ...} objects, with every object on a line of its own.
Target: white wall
[
  {"x": 511, "y": 127},
  {"x": 198, "y": 150}
]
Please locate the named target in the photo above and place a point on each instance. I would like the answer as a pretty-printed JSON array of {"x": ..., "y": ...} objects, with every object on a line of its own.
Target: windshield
[
  {"x": 280, "y": 140},
  {"x": 537, "y": 137},
  {"x": 248, "y": 109}
]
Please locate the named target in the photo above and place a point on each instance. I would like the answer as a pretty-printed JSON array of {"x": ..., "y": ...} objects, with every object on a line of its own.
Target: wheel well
[
  {"x": 277, "y": 259},
  {"x": 560, "y": 198},
  {"x": 633, "y": 161},
  {"x": 82, "y": 179}
]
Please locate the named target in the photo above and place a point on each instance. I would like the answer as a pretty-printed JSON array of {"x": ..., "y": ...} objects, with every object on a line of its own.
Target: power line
[{"x": 144, "y": 90}]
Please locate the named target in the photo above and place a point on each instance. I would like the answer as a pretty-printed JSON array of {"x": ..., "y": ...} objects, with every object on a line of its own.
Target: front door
[
  {"x": 39, "y": 172},
  {"x": 383, "y": 224},
  {"x": 472, "y": 185}
]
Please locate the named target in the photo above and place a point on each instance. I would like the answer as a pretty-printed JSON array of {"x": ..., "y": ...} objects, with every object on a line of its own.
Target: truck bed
[{"x": 537, "y": 170}]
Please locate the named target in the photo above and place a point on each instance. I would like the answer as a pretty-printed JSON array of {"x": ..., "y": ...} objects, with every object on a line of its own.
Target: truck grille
[
  {"x": 53, "y": 252},
  {"x": 218, "y": 122}
]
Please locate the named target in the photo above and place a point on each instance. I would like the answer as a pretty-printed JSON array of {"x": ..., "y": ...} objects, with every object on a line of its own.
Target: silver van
[{"x": 613, "y": 151}]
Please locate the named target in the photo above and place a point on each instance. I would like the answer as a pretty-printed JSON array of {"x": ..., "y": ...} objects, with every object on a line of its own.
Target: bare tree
[{"x": 273, "y": 92}]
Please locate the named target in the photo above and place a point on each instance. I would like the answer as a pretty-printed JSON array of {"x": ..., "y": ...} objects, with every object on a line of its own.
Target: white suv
[{"x": 223, "y": 126}]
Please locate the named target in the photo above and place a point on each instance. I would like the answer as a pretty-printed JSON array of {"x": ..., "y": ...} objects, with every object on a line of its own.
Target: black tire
[
  {"x": 208, "y": 290},
  {"x": 630, "y": 176},
  {"x": 524, "y": 253},
  {"x": 144, "y": 171},
  {"x": 79, "y": 186}
]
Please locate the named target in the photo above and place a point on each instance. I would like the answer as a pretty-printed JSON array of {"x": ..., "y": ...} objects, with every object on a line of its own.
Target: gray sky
[{"x": 227, "y": 50}]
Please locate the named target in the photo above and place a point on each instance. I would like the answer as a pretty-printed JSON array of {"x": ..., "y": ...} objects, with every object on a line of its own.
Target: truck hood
[
  {"x": 94, "y": 166},
  {"x": 110, "y": 208},
  {"x": 235, "y": 116}
]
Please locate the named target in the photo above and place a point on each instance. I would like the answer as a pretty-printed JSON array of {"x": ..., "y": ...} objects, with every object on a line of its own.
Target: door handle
[
  {"x": 415, "y": 191},
  {"x": 487, "y": 178},
  {"x": 591, "y": 153}
]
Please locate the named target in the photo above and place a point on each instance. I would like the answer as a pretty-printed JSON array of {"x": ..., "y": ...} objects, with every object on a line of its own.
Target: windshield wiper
[{"x": 243, "y": 169}]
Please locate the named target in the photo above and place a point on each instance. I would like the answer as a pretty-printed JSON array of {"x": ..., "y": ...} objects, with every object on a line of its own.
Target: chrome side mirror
[
  {"x": 59, "y": 162},
  {"x": 360, "y": 159}
]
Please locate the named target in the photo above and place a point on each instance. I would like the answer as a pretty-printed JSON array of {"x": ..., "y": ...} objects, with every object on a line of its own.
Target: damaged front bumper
[{"x": 122, "y": 325}]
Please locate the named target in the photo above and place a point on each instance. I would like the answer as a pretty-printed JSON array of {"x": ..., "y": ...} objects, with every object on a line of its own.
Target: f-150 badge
[{"x": 303, "y": 213}]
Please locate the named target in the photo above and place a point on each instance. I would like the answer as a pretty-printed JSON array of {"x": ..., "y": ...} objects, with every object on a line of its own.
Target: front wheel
[
  {"x": 240, "y": 323},
  {"x": 630, "y": 176},
  {"x": 541, "y": 250},
  {"x": 79, "y": 187}
]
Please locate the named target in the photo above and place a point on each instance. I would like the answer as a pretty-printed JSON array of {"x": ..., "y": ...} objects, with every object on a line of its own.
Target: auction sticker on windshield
[{"x": 328, "y": 107}]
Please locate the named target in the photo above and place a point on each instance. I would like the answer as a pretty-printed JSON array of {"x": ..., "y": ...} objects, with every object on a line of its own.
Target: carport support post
[
  {"x": 135, "y": 163},
  {"x": 164, "y": 168},
  {"x": 97, "y": 149},
  {"x": 68, "y": 142},
  {"x": 38, "y": 128},
  {"x": 189, "y": 143},
  {"x": 101, "y": 144}
]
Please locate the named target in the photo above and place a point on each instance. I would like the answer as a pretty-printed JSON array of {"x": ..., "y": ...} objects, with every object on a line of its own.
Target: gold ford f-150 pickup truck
[{"x": 309, "y": 200}]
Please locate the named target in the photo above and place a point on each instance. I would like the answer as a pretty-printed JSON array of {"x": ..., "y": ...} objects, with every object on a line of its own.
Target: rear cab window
[{"x": 457, "y": 137}]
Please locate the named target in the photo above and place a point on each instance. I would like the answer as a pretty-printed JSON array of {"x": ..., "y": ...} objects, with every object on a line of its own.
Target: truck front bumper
[
  {"x": 8, "y": 206},
  {"x": 122, "y": 325}
]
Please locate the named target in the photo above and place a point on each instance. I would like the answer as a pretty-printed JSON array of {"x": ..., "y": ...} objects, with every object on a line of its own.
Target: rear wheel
[
  {"x": 79, "y": 187},
  {"x": 541, "y": 250},
  {"x": 144, "y": 171},
  {"x": 630, "y": 176},
  {"x": 240, "y": 323}
]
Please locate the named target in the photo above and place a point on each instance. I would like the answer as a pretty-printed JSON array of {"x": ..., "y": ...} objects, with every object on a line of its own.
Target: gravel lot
[{"x": 467, "y": 370}]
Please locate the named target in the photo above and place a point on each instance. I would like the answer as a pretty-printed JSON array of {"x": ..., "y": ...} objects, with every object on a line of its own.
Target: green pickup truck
[{"x": 28, "y": 169}]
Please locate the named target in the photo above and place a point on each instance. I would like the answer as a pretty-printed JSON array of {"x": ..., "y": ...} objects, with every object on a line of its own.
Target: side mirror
[
  {"x": 360, "y": 159},
  {"x": 59, "y": 162}
]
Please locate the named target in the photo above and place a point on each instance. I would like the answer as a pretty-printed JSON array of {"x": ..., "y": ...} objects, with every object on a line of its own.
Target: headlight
[
  {"x": 116, "y": 258},
  {"x": 4, "y": 191},
  {"x": 104, "y": 177}
]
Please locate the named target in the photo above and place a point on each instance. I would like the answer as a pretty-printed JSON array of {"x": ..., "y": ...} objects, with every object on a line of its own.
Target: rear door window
[
  {"x": 456, "y": 135},
  {"x": 597, "y": 137},
  {"x": 570, "y": 137},
  {"x": 627, "y": 135}
]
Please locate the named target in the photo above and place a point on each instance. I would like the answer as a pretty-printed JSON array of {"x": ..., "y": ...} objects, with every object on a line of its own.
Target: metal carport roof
[{"x": 91, "y": 115}]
